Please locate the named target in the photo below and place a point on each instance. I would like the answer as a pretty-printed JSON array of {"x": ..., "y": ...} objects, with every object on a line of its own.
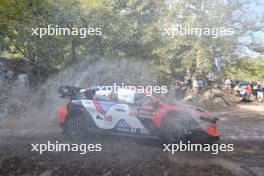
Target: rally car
[{"x": 127, "y": 112}]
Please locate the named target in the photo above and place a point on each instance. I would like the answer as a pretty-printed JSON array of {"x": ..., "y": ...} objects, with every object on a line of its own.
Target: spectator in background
[
  {"x": 222, "y": 80},
  {"x": 249, "y": 90},
  {"x": 211, "y": 78},
  {"x": 260, "y": 92},
  {"x": 195, "y": 87},
  {"x": 228, "y": 84},
  {"x": 237, "y": 90},
  {"x": 246, "y": 94},
  {"x": 201, "y": 84},
  {"x": 188, "y": 81},
  {"x": 255, "y": 90},
  {"x": 179, "y": 89}
]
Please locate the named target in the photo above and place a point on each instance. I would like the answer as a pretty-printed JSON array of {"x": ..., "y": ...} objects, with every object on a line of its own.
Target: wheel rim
[{"x": 75, "y": 127}]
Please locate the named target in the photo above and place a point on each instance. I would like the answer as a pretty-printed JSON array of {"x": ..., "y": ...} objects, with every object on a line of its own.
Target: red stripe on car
[{"x": 98, "y": 107}]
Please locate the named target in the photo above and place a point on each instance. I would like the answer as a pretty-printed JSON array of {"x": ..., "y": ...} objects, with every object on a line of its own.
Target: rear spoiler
[{"x": 72, "y": 92}]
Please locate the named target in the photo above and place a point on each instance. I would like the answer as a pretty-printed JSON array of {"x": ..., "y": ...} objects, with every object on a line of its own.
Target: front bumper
[
  {"x": 212, "y": 131},
  {"x": 206, "y": 136}
]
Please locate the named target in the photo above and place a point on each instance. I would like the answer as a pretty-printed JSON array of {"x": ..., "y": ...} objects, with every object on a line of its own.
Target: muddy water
[
  {"x": 41, "y": 111},
  {"x": 42, "y": 105},
  {"x": 120, "y": 156},
  {"x": 13, "y": 91}
]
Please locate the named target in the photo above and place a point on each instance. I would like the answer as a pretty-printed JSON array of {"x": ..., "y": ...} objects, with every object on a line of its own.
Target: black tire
[
  {"x": 76, "y": 125},
  {"x": 176, "y": 127}
]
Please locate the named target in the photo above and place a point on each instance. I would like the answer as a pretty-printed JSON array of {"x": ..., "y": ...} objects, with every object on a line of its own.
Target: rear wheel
[
  {"x": 176, "y": 127},
  {"x": 75, "y": 125}
]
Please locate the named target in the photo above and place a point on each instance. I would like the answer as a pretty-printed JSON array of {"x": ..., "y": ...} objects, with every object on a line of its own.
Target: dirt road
[{"x": 241, "y": 126}]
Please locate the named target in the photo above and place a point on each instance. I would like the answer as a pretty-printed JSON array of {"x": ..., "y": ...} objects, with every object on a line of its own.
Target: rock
[
  {"x": 207, "y": 96},
  {"x": 220, "y": 102},
  {"x": 217, "y": 93},
  {"x": 210, "y": 99},
  {"x": 212, "y": 93}
]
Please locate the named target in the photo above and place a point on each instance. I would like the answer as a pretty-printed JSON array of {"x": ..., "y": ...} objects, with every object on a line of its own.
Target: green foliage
[
  {"x": 245, "y": 69},
  {"x": 130, "y": 28}
]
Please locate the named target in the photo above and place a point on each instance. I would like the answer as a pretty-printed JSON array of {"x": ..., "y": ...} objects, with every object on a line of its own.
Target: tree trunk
[{"x": 73, "y": 59}]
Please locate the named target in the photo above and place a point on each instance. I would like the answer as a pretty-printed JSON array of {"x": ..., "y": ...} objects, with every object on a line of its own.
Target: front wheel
[
  {"x": 75, "y": 126},
  {"x": 175, "y": 127}
]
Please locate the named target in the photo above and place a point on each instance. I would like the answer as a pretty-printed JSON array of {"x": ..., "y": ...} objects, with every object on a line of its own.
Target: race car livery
[{"x": 127, "y": 112}]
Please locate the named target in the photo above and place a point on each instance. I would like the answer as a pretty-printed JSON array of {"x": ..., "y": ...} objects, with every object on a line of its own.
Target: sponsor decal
[{"x": 108, "y": 118}]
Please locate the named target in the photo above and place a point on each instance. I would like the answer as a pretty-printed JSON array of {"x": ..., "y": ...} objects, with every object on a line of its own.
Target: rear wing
[
  {"x": 74, "y": 93},
  {"x": 69, "y": 92}
]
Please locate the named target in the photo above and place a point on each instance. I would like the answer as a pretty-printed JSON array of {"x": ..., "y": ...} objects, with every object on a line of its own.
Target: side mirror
[{"x": 89, "y": 94}]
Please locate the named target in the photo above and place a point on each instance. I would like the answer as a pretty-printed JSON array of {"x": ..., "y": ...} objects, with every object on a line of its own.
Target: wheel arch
[
  {"x": 75, "y": 112},
  {"x": 84, "y": 113}
]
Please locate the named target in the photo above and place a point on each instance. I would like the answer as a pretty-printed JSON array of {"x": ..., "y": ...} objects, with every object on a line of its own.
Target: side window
[
  {"x": 89, "y": 94},
  {"x": 147, "y": 101},
  {"x": 141, "y": 98}
]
